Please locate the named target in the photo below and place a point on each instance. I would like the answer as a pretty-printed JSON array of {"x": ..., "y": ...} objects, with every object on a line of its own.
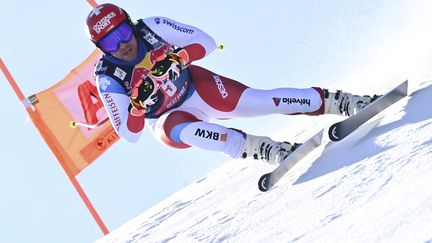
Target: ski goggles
[{"x": 121, "y": 34}]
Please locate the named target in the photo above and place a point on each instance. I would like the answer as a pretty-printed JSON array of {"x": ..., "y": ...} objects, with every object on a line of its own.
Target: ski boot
[
  {"x": 266, "y": 149},
  {"x": 346, "y": 104}
]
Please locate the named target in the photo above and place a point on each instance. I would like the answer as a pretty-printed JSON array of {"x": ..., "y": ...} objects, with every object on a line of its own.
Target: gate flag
[
  {"x": 56, "y": 110},
  {"x": 75, "y": 98}
]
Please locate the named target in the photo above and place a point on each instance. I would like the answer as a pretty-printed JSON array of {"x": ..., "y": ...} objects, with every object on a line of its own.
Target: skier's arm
[
  {"x": 196, "y": 42},
  {"x": 128, "y": 124}
]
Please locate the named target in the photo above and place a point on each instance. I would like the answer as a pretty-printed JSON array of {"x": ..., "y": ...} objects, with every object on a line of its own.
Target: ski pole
[{"x": 74, "y": 124}]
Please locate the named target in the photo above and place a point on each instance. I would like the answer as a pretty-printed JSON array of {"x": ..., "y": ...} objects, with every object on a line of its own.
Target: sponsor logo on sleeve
[
  {"x": 174, "y": 26},
  {"x": 112, "y": 106}
]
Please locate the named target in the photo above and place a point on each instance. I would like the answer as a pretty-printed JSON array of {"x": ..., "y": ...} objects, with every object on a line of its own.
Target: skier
[{"x": 146, "y": 74}]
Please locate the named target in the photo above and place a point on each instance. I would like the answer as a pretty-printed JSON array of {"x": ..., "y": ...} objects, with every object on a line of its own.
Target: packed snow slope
[{"x": 373, "y": 186}]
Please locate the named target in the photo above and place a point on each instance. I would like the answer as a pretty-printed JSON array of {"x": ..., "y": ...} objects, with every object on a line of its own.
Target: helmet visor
[{"x": 111, "y": 42}]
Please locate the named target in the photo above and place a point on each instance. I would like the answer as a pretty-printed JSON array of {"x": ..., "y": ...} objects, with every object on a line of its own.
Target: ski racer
[{"x": 146, "y": 75}]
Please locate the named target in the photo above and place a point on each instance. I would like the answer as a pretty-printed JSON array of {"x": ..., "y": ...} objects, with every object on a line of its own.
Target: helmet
[{"x": 104, "y": 18}]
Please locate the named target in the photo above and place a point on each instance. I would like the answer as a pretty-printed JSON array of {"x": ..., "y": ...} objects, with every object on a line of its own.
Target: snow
[{"x": 373, "y": 186}]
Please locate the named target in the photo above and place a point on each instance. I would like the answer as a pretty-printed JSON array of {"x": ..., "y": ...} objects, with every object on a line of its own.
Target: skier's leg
[
  {"x": 228, "y": 98},
  {"x": 182, "y": 129},
  {"x": 287, "y": 101},
  {"x": 186, "y": 128},
  {"x": 220, "y": 97}
]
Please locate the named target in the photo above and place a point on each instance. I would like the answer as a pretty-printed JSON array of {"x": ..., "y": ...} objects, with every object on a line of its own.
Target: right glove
[
  {"x": 181, "y": 56},
  {"x": 143, "y": 94}
]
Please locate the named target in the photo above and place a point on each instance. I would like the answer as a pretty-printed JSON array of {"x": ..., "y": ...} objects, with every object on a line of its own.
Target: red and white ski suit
[{"x": 187, "y": 105}]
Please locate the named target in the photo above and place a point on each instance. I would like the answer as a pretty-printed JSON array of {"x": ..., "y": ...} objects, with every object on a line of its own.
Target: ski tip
[
  {"x": 264, "y": 183},
  {"x": 332, "y": 132},
  {"x": 320, "y": 136},
  {"x": 405, "y": 87}
]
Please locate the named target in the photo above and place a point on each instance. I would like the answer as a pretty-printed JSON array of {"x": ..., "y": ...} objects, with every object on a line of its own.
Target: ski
[
  {"x": 340, "y": 130},
  {"x": 267, "y": 181}
]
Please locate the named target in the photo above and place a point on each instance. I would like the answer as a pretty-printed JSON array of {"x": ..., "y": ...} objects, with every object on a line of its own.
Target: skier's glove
[
  {"x": 169, "y": 68},
  {"x": 143, "y": 94},
  {"x": 181, "y": 56}
]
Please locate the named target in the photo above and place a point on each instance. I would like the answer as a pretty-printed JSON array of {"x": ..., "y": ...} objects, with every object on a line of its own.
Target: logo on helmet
[
  {"x": 96, "y": 11},
  {"x": 104, "y": 22}
]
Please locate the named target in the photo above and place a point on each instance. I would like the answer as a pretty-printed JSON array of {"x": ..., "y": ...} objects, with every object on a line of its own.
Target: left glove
[{"x": 171, "y": 65}]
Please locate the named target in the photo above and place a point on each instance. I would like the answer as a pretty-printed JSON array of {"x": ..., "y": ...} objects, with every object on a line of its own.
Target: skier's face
[{"x": 127, "y": 51}]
